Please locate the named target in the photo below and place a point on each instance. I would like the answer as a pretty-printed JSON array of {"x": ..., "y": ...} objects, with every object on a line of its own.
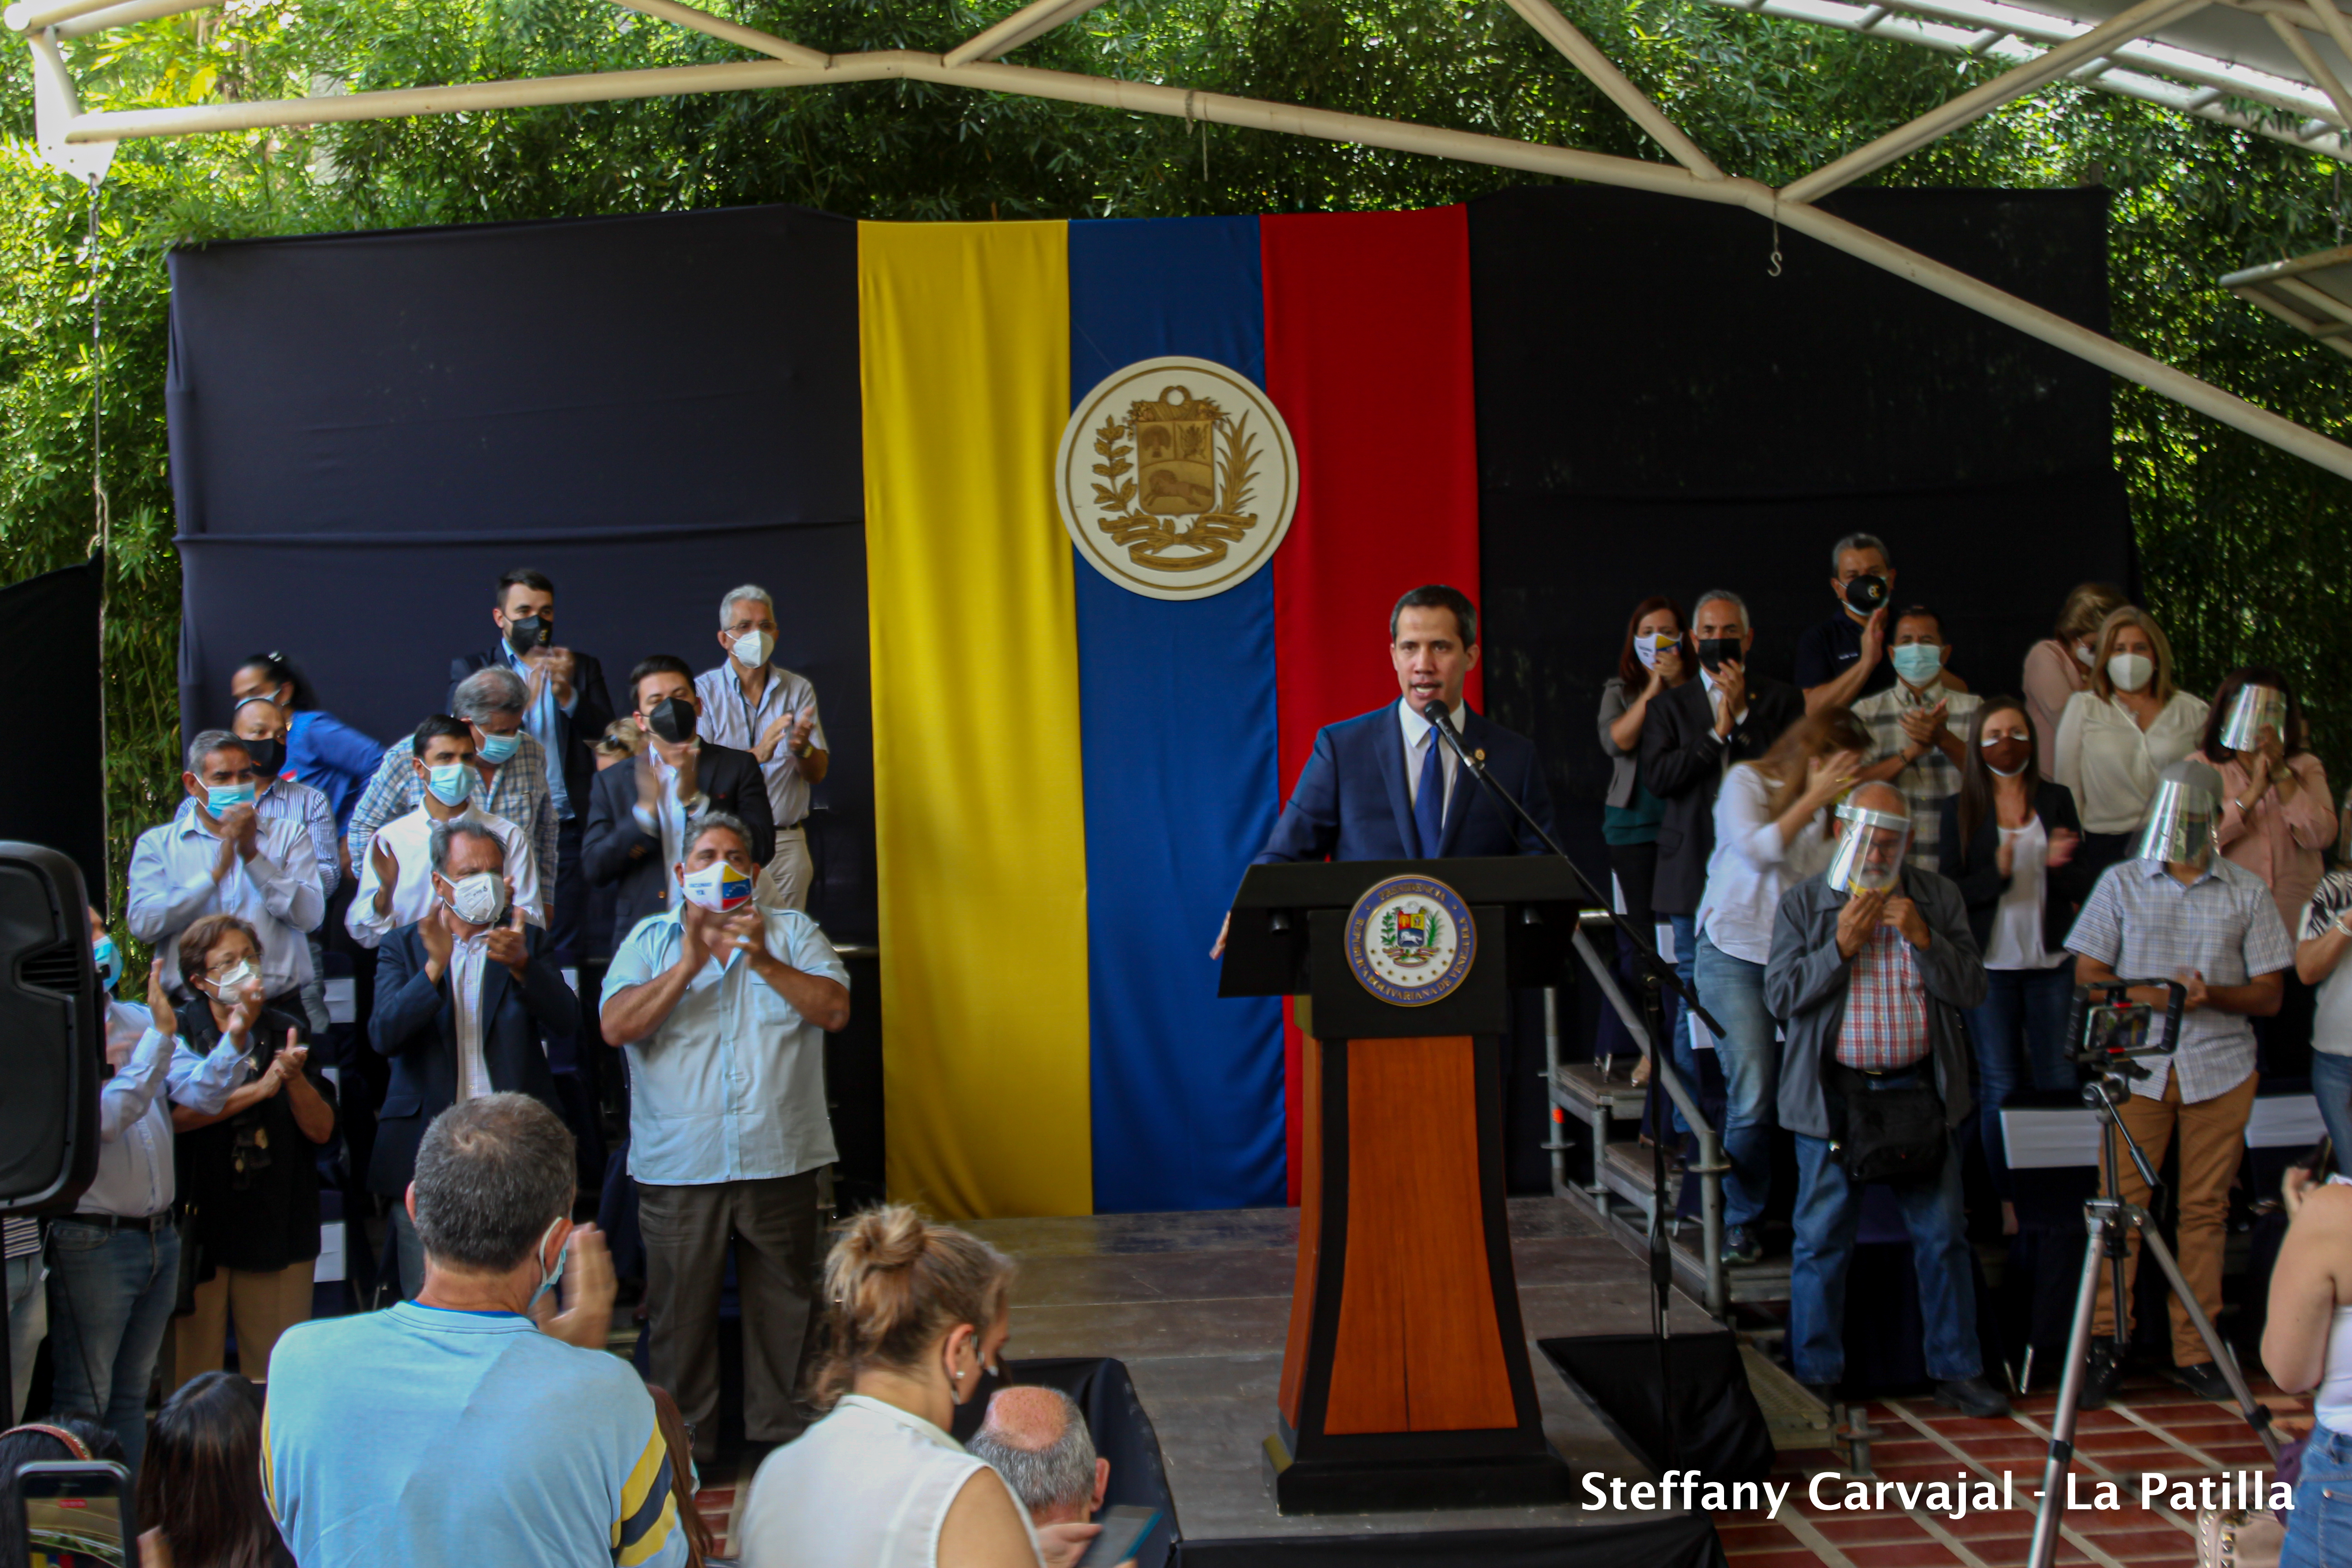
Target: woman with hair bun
[{"x": 916, "y": 1311}]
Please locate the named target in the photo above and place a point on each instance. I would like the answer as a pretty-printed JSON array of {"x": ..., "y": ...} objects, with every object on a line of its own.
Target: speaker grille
[{"x": 56, "y": 969}]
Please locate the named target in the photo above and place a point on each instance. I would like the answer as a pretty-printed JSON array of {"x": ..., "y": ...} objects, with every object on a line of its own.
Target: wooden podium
[{"x": 1405, "y": 1380}]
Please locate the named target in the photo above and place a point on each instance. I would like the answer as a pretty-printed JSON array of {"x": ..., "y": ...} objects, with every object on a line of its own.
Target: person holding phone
[{"x": 73, "y": 1460}]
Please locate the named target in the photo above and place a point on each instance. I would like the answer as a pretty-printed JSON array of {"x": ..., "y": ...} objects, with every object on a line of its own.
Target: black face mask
[
  {"x": 530, "y": 632},
  {"x": 1715, "y": 652},
  {"x": 266, "y": 755},
  {"x": 1865, "y": 593},
  {"x": 672, "y": 720}
]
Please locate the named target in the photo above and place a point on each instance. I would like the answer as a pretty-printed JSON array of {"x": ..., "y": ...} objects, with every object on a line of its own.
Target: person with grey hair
[
  {"x": 510, "y": 775},
  {"x": 1695, "y": 734},
  {"x": 1036, "y": 1438},
  {"x": 466, "y": 1000},
  {"x": 481, "y": 1421},
  {"x": 755, "y": 705},
  {"x": 395, "y": 882},
  {"x": 1844, "y": 658},
  {"x": 729, "y": 1153},
  {"x": 218, "y": 855},
  {"x": 2181, "y": 910}
]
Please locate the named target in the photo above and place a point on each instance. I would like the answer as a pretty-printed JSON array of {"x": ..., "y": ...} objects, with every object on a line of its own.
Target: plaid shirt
[
  {"x": 2143, "y": 924},
  {"x": 518, "y": 792},
  {"x": 1885, "y": 1024},
  {"x": 1935, "y": 777}
]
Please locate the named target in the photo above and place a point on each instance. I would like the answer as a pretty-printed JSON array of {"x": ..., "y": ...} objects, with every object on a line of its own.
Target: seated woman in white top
[
  {"x": 918, "y": 1311},
  {"x": 1772, "y": 829},
  {"x": 2116, "y": 738},
  {"x": 2307, "y": 1343}
]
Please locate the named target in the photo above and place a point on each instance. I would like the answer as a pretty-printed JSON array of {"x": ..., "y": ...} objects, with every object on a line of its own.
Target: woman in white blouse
[
  {"x": 2114, "y": 739},
  {"x": 1772, "y": 829}
]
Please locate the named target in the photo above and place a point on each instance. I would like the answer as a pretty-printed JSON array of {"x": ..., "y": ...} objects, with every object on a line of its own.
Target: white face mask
[
  {"x": 230, "y": 987},
  {"x": 2088, "y": 655},
  {"x": 480, "y": 898},
  {"x": 1648, "y": 646},
  {"x": 753, "y": 648},
  {"x": 718, "y": 887},
  {"x": 2131, "y": 671}
]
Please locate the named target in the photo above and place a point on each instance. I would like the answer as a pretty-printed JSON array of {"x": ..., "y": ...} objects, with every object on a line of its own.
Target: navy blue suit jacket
[{"x": 1351, "y": 803}]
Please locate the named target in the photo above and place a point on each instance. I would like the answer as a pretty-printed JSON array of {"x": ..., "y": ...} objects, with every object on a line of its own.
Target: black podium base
[{"x": 1370, "y": 1486}]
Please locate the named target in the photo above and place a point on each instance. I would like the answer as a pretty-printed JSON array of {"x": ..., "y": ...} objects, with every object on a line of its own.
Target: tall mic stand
[{"x": 1660, "y": 974}]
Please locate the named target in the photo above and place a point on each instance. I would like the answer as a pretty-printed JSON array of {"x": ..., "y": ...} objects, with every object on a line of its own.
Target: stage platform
[{"x": 1196, "y": 1306}]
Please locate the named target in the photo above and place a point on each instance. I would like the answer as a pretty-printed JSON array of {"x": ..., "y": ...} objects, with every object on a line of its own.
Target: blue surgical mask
[
  {"x": 218, "y": 798},
  {"x": 498, "y": 747},
  {"x": 451, "y": 782},
  {"x": 1917, "y": 662},
  {"x": 547, "y": 1277},
  {"x": 108, "y": 960}
]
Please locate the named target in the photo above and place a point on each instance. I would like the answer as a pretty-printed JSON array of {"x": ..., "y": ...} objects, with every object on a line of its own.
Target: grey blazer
[
  {"x": 1805, "y": 981},
  {"x": 1614, "y": 700}
]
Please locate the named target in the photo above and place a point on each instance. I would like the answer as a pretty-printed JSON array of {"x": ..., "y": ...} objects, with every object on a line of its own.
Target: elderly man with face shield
[
  {"x": 1871, "y": 965},
  {"x": 2179, "y": 911}
]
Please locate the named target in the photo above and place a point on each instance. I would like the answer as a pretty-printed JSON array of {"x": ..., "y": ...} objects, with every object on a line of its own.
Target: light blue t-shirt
[
  {"x": 731, "y": 1086},
  {"x": 442, "y": 1439}
]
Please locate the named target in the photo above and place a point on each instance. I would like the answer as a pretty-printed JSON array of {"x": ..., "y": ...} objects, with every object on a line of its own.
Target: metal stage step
[{"x": 1625, "y": 1173}]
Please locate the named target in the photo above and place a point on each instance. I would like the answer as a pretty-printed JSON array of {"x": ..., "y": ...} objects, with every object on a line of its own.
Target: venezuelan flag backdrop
[{"x": 1069, "y": 777}]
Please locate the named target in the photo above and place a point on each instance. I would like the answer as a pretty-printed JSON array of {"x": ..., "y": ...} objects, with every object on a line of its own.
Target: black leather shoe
[
  {"x": 2101, "y": 1376},
  {"x": 1741, "y": 1246},
  {"x": 1972, "y": 1396},
  {"x": 2204, "y": 1380}
]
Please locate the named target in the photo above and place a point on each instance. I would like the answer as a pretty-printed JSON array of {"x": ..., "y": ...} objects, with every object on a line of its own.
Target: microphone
[{"x": 1441, "y": 719}]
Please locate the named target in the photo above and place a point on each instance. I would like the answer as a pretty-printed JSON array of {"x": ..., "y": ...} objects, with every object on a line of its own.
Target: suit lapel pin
[{"x": 1480, "y": 753}]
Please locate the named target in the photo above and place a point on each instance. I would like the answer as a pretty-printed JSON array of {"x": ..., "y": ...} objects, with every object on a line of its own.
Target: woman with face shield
[
  {"x": 248, "y": 1175},
  {"x": 2012, "y": 842},
  {"x": 2116, "y": 735}
]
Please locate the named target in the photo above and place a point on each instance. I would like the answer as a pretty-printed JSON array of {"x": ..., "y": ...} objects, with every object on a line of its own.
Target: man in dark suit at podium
[{"x": 1384, "y": 787}]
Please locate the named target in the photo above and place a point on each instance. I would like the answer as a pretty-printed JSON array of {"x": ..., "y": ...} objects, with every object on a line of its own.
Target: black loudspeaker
[{"x": 52, "y": 1035}]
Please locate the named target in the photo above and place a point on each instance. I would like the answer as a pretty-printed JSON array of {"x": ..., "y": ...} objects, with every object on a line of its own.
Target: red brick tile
[
  {"x": 1800, "y": 1558},
  {"x": 1940, "y": 1472},
  {"x": 2248, "y": 1455},
  {"x": 1985, "y": 1526},
  {"x": 1994, "y": 1450},
  {"x": 1976, "y": 1427},
  {"x": 1762, "y": 1536},
  {"x": 2011, "y": 1552},
  {"x": 1908, "y": 1449},
  {"x": 2124, "y": 1444},
  {"x": 1902, "y": 1554},
  {"x": 2136, "y": 1544},
  {"x": 1882, "y": 1527}
]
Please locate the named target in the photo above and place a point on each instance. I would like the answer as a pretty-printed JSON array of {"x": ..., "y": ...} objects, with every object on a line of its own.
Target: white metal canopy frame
[{"x": 2132, "y": 50}]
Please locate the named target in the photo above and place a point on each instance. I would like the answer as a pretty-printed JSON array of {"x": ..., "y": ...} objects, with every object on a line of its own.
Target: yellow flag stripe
[{"x": 979, "y": 806}]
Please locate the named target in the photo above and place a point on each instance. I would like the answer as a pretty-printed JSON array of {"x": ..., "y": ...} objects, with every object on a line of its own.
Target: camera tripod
[{"x": 2105, "y": 1217}]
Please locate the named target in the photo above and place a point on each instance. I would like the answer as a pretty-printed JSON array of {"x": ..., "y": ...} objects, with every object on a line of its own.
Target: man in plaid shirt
[
  {"x": 2213, "y": 926},
  {"x": 513, "y": 765},
  {"x": 1869, "y": 984},
  {"x": 1918, "y": 723}
]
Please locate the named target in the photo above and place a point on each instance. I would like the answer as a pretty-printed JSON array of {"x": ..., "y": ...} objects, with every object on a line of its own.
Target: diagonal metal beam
[
  {"x": 2323, "y": 79},
  {"x": 732, "y": 32},
  {"x": 1562, "y": 35},
  {"x": 2334, "y": 24},
  {"x": 1033, "y": 20},
  {"x": 125, "y": 15},
  {"x": 2045, "y": 67}
]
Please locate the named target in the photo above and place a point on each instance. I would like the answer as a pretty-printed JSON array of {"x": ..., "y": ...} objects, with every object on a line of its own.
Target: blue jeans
[
  {"x": 2319, "y": 1526},
  {"x": 2331, "y": 1085},
  {"x": 110, "y": 1297},
  {"x": 2020, "y": 1031},
  {"x": 1828, "y": 1212},
  {"x": 1733, "y": 990},
  {"x": 1685, "y": 927},
  {"x": 28, "y": 1324}
]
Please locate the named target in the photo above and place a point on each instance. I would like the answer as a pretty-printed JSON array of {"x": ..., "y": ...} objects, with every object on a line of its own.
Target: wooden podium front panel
[
  {"x": 1310, "y": 1229},
  {"x": 1419, "y": 1348}
]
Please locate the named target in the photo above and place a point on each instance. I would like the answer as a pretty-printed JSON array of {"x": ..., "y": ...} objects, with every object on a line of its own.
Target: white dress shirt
[
  {"x": 310, "y": 807},
  {"x": 2112, "y": 764},
  {"x": 1419, "y": 737},
  {"x": 729, "y": 718},
  {"x": 277, "y": 891},
  {"x": 467, "y": 955},
  {"x": 134, "y": 1111},
  {"x": 410, "y": 839},
  {"x": 668, "y": 819},
  {"x": 1751, "y": 869}
]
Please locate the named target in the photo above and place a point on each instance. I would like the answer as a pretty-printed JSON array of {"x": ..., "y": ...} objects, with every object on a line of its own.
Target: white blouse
[
  {"x": 2111, "y": 764},
  {"x": 1751, "y": 868}
]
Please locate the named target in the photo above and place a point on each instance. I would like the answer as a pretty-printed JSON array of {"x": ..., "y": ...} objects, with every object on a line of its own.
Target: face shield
[
  {"x": 2253, "y": 710},
  {"x": 2181, "y": 823},
  {"x": 1870, "y": 854}
]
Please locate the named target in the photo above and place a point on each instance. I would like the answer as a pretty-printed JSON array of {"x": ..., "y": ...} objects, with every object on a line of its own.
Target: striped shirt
[
  {"x": 1935, "y": 777},
  {"x": 1885, "y": 1024},
  {"x": 517, "y": 791},
  {"x": 24, "y": 1235},
  {"x": 438, "y": 1439},
  {"x": 2141, "y": 922}
]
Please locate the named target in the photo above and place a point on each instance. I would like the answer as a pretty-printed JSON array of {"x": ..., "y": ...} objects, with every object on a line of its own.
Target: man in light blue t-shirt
[{"x": 476, "y": 1425}]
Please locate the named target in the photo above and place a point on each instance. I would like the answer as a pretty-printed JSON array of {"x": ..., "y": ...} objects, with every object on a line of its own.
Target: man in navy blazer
[
  {"x": 1383, "y": 786},
  {"x": 499, "y": 972}
]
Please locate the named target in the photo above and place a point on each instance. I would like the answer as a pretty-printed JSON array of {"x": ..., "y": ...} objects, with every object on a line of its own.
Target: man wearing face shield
[
  {"x": 2179, "y": 909},
  {"x": 638, "y": 811},
  {"x": 395, "y": 887},
  {"x": 1871, "y": 965},
  {"x": 218, "y": 855},
  {"x": 729, "y": 1154},
  {"x": 464, "y": 995}
]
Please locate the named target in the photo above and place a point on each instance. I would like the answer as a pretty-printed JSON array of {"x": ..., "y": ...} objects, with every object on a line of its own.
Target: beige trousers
[{"x": 263, "y": 1307}]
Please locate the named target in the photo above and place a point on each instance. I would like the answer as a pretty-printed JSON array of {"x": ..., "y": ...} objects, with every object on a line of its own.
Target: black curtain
[
  {"x": 367, "y": 429},
  {"x": 49, "y": 645}
]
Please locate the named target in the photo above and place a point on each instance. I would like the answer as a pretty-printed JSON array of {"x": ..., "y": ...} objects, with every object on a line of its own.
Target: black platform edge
[
  {"x": 1409, "y": 1482},
  {"x": 1673, "y": 1540}
]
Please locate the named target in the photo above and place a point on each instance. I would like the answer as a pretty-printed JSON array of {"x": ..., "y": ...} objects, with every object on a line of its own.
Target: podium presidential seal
[{"x": 1410, "y": 940}]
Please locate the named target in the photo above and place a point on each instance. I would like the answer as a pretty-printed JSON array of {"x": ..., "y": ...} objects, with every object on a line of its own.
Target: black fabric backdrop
[
  {"x": 367, "y": 429},
  {"x": 49, "y": 645}
]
